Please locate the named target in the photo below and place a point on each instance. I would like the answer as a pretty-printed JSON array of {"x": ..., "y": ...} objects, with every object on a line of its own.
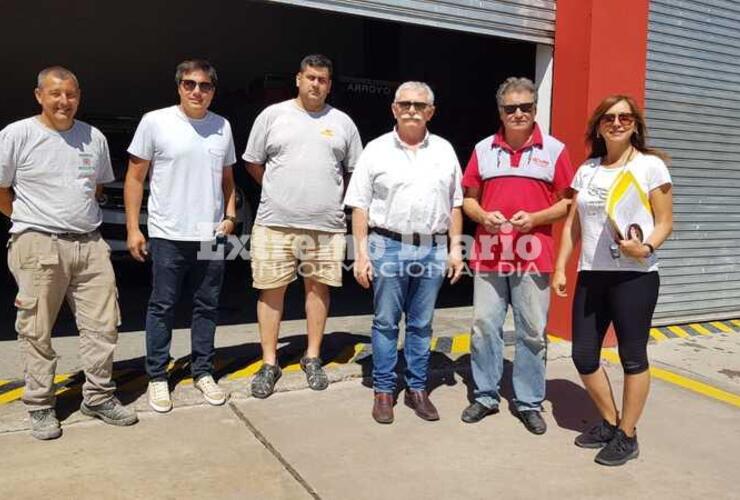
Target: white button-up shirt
[{"x": 406, "y": 190}]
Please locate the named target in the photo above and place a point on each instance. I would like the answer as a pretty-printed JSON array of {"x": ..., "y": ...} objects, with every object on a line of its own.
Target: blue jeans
[
  {"x": 529, "y": 296},
  {"x": 177, "y": 272},
  {"x": 406, "y": 279}
]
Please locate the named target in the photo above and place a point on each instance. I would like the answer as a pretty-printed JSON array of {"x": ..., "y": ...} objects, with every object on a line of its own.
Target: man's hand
[
  {"x": 225, "y": 227},
  {"x": 558, "y": 283},
  {"x": 136, "y": 244},
  {"x": 492, "y": 221},
  {"x": 523, "y": 221},
  {"x": 455, "y": 264},
  {"x": 363, "y": 271}
]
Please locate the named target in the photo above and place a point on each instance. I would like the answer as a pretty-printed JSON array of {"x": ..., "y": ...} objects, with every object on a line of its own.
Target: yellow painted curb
[{"x": 681, "y": 381}]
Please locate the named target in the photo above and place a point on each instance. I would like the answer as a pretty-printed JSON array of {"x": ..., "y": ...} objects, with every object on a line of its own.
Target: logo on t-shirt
[
  {"x": 86, "y": 166},
  {"x": 327, "y": 132},
  {"x": 540, "y": 162}
]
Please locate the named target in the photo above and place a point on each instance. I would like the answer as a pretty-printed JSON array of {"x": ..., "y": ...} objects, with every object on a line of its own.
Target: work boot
[
  {"x": 111, "y": 412},
  {"x": 44, "y": 424}
]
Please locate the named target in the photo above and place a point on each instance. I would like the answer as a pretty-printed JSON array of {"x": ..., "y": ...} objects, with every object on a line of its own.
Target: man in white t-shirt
[
  {"x": 189, "y": 153},
  {"x": 300, "y": 151},
  {"x": 51, "y": 167}
]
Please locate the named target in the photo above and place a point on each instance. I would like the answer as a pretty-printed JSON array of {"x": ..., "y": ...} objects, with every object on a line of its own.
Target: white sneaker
[
  {"x": 210, "y": 390},
  {"x": 158, "y": 395}
]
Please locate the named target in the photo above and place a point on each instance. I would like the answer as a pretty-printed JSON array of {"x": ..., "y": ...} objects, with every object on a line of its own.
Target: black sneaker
[
  {"x": 263, "y": 384},
  {"x": 315, "y": 375},
  {"x": 476, "y": 412},
  {"x": 619, "y": 450},
  {"x": 533, "y": 421},
  {"x": 597, "y": 436}
]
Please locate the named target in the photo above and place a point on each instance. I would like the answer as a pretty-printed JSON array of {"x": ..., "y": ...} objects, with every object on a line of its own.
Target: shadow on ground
[{"x": 238, "y": 304}]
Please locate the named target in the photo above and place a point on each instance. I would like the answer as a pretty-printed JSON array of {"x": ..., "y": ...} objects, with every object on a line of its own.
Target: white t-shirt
[
  {"x": 305, "y": 155},
  {"x": 592, "y": 182},
  {"x": 407, "y": 191},
  {"x": 187, "y": 160},
  {"x": 54, "y": 175}
]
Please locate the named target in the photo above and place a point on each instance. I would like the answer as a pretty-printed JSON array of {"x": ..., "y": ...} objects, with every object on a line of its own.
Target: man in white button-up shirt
[{"x": 406, "y": 190}]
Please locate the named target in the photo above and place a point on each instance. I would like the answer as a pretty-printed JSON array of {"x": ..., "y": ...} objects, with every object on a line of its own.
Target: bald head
[{"x": 59, "y": 72}]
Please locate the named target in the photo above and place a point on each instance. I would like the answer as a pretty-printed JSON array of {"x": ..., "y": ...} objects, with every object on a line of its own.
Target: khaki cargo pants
[{"x": 48, "y": 269}]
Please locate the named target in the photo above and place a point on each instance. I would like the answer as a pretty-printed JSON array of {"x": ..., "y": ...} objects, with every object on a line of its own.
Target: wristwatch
[
  {"x": 651, "y": 248},
  {"x": 230, "y": 218}
]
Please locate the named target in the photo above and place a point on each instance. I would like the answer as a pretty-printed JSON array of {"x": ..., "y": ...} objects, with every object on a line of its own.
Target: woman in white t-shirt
[{"x": 617, "y": 278}]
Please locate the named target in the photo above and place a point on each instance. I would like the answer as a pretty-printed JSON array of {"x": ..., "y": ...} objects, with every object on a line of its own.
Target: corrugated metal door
[
  {"x": 530, "y": 20},
  {"x": 693, "y": 112}
]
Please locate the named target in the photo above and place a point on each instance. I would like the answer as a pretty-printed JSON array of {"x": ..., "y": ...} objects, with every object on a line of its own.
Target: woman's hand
[
  {"x": 634, "y": 248},
  {"x": 558, "y": 282}
]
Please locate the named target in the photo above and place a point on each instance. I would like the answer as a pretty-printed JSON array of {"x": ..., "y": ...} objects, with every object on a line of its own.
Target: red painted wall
[{"x": 600, "y": 49}]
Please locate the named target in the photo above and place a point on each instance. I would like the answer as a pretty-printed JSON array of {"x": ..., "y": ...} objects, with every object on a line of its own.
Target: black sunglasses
[
  {"x": 406, "y": 105},
  {"x": 510, "y": 109},
  {"x": 190, "y": 85}
]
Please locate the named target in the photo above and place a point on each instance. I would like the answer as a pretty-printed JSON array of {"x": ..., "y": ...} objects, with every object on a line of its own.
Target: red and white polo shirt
[{"x": 530, "y": 179}]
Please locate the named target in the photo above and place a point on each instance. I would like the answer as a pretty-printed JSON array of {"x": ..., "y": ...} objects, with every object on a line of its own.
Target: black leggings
[{"x": 625, "y": 298}]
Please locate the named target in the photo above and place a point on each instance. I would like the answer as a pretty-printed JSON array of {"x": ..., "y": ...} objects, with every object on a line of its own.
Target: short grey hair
[
  {"x": 57, "y": 72},
  {"x": 415, "y": 86},
  {"x": 514, "y": 83}
]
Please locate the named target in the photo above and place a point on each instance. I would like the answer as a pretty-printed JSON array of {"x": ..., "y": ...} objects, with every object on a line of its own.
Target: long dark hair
[{"x": 597, "y": 144}]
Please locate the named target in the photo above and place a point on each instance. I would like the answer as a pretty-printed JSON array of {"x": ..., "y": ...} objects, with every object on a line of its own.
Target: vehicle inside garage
[{"x": 125, "y": 56}]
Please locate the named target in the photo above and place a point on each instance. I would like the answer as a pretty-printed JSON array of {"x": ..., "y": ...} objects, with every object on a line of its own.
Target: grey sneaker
[
  {"x": 111, "y": 412},
  {"x": 44, "y": 424},
  {"x": 315, "y": 375},
  {"x": 263, "y": 384}
]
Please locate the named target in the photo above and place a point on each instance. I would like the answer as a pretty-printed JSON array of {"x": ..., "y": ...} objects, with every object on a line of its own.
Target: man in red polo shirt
[{"x": 516, "y": 185}]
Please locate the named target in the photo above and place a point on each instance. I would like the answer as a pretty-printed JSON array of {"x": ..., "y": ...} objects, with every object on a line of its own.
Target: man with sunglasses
[
  {"x": 516, "y": 185},
  {"x": 300, "y": 151},
  {"x": 189, "y": 152},
  {"x": 407, "y": 192}
]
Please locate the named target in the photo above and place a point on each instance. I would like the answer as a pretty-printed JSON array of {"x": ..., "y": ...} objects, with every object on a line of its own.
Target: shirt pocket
[{"x": 217, "y": 158}]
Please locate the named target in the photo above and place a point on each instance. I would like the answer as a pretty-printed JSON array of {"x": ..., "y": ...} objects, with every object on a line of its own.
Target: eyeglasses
[
  {"x": 206, "y": 87},
  {"x": 625, "y": 119},
  {"x": 406, "y": 105},
  {"x": 510, "y": 109}
]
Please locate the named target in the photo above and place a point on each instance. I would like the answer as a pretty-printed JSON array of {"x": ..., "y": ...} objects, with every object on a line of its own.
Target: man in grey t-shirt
[
  {"x": 51, "y": 167},
  {"x": 300, "y": 151}
]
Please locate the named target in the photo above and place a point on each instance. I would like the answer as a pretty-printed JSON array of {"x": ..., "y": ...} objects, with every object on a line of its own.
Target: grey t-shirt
[
  {"x": 54, "y": 175},
  {"x": 306, "y": 156}
]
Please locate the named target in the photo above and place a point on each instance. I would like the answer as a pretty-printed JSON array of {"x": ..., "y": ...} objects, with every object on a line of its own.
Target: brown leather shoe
[
  {"x": 421, "y": 404},
  {"x": 383, "y": 408}
]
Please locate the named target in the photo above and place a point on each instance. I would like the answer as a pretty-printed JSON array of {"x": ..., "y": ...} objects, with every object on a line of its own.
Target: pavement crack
[{"x": 266, "y": 443}]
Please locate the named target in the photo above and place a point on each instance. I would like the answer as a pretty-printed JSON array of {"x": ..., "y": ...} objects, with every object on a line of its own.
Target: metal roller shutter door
[
  {"x": 693, "y": 112},
  {"x": 529, "y": 20}
]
